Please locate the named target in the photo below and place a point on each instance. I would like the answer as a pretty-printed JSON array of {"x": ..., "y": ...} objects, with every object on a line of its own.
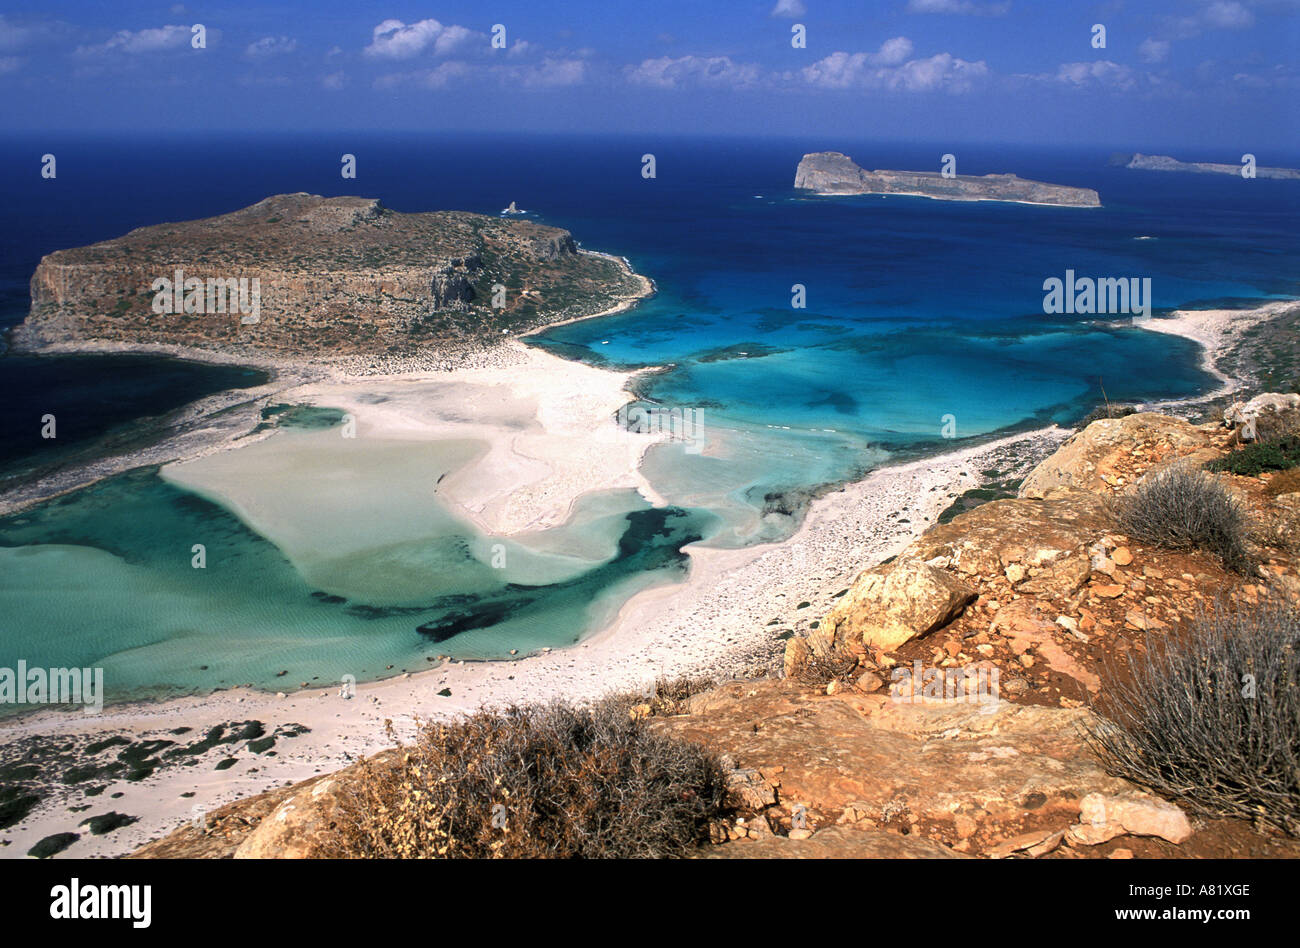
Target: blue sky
[{"x": 1205, "y": 74}]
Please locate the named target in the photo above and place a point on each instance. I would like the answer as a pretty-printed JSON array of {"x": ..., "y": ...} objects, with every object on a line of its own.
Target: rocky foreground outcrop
[
  {"x": 319, "y": 276},
  {"x": 1026, "y": 604},
  {"x": 831, "y": 172}
]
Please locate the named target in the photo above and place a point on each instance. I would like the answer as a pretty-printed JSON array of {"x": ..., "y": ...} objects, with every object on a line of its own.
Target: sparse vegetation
[
  {"x": 1106, "y": 410},
  {"x": 553, "y": 781},
  {"x": 670, "y": 695},
  {"x": 1287, "y": 482},
  {"x": 1277, "y": 425},
  {"x": 819, "y": 669},
  {"x": 1212, "y": 718},
  {"x": 1252, "y": 460},
  {"x": 1186, "y": 509}
]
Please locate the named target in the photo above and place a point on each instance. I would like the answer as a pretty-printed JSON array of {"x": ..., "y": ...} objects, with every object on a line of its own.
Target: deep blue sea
[{"x": 920, "y": 315}]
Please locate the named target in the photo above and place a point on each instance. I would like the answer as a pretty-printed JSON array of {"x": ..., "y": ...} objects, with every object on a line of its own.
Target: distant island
[
  {"x": 306, "y": 275},
  {"x": 830, "y": 172},
  {"x": 1143, "y": 162}
]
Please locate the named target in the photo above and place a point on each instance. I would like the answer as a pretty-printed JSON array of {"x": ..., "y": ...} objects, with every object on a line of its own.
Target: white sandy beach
[{"x": 548, "y": 438}]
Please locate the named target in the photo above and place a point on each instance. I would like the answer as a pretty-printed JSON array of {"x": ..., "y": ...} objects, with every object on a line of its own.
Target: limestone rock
[
  {"x": 747, "y": 788},
  {"x": 299, "y": 827},
  {"x": 889, "y": 758},
  {"x": 836, "y": 842},
  {"x": 1104, "y": 816},
  {"x": 895, "y": 603},
  {"x": 1247, "y": 419},
  {"x": 1089, "y": 457},
  {"x": 1030, "y": 534}
]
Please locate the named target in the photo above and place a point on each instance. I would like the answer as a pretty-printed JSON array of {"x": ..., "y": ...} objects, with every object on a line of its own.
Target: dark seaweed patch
[
  {"x": 53, "y": 845},
  {"x": 107, "y": 822}
]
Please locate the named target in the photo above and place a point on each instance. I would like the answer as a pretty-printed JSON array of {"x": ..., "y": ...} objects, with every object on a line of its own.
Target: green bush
[
  {"x": 1253, "y": 459},
  {"x": 1212, "y": 717}
]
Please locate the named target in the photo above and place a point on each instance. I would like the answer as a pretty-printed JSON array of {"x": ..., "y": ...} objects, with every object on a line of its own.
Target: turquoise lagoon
[{"x": 918, "y": 312}]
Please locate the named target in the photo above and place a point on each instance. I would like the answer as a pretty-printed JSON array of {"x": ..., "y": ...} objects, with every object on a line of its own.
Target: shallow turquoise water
[
  {"x": 919, "y": 314},
  {"x": 105, "y": 577}
]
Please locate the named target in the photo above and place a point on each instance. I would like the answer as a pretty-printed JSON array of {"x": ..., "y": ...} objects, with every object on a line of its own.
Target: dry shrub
[
  {"x": 1106, "y": 411},
  {"x": 1276, "y": 425},
  {"x": 1186, "y": 509},
  {"x": 1287, "y": 482},
  {"x": 671, "y": 694},
  {"x": 820, "y": 669},
  {"x": 540, "y": 781},
  {"x": 1212, "y": 718}
]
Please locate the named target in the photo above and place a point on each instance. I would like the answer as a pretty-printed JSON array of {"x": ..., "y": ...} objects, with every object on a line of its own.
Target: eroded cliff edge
[
  {"x": 831, "y": 172},
  {"x": 337, "y": 275}
]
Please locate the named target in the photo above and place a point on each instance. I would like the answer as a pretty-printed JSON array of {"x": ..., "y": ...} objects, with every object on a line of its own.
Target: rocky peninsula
[
  {"x": 831, "y": 172},
  {"x": 300, "y": 275},
  {"x": 1141, "y": 162}
]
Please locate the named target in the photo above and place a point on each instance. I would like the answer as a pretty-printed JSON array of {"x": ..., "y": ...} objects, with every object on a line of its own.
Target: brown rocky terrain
[
  {"x": 1041, "y": 589},
  {"x": 831, "y": 172},
  {"x": 336, "y": 275}
]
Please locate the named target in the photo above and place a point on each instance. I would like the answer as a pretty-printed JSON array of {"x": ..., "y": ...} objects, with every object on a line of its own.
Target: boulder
[
  {"x": 1104, "y": 448},
  {"x": 895, "y": 603},
  {"x": 1257, "y": 418},
  {"x": 1102, "y": 817},
  {"x": 302, "y": 826},
  {"x": 1020, "y": 539}
]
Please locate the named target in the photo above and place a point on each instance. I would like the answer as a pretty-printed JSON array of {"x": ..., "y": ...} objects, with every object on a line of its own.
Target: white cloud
[
  {"x": 452, "y": 38},
  {"x": 9, "y": 64},
  {"x": 334, "y": 81},
  {"x": 446, "y": 73},
  {"x": 13, "y": 36},
  {"x": 789, "y": 8},
  {"x": 943, "y": 71},
  {"x": 143, "y": 41},
  {"x": 271, "y": 46},
  {"x": 890, "y": 68},
  {"x": 1220, "y": 15},
  {"x": 1154, "y": 50},
  {"x": 393, "y": 39},
  {"x": 894, "y": 51},
  {"x": 1278, "y": 77},
  {"x": 1228, "y": 15},
  {"x": 551, "y": 73},
  {"x": 1102, "y": 72},
  {"x": 667, "y": 72},
  {"x": 961, "y": 7}
]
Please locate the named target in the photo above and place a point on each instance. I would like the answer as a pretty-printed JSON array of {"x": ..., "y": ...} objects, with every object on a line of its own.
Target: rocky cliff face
[
  {"x": 332, "y": 275},
  {"x": 830, "y": 172}
]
